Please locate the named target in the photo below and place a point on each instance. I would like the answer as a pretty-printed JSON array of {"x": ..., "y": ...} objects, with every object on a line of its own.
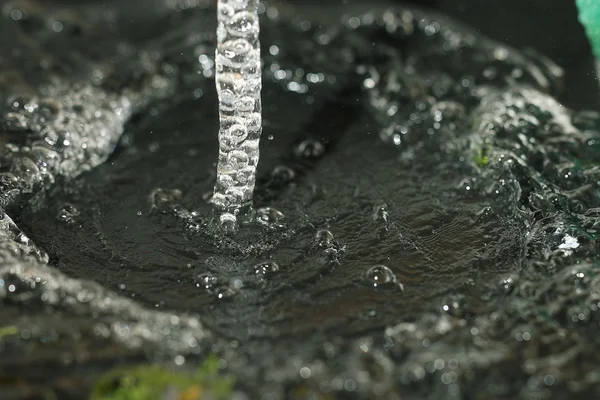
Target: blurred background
[{"x": 550, "y": 27}]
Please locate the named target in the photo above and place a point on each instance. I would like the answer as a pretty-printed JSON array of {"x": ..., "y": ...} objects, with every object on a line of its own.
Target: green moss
[
  {"x": 151, "y": 382},
  {"x": 481, "y": 157},
  {"x": 8, "y": 331}
]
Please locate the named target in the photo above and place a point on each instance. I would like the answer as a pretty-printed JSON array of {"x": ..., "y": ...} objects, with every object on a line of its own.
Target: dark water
[{"x": 427, "y": 211}]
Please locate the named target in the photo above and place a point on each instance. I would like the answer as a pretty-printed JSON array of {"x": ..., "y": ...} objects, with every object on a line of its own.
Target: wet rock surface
[{"x": 426, "y": 211}]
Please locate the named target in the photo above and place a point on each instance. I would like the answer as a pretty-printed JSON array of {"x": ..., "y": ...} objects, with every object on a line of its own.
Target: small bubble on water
[
  {"x": 305, "y": 372},
  {"x": 159, "y": 198},
  {"x": 269, "y": 216},
  {"x": 324, "y": 238},
  {"x": 237, "y": 283},
  {"x": 380, "y": 276},
  {"x": 68, "y": 213},
  {"x": 380, "y": 212},
  {"x": 206, "y": 280},
  {"x": 228, "y": 223},
  {"x": 507, "y": 284},
  {"x": 224, "y": 292},
  {"x": 265, "y": 268}
]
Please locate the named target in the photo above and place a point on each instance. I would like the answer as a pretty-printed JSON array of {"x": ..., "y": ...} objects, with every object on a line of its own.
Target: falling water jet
[{"x": 238, "y": 81}]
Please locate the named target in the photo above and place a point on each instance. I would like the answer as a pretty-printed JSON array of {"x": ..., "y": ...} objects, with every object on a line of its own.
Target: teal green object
[{"x": 589, "y": 16}]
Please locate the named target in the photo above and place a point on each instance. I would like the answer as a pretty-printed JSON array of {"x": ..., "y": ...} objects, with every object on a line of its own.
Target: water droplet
[
  {"x": 380, "y": 276},
  {"x": 266, "y": 268}
]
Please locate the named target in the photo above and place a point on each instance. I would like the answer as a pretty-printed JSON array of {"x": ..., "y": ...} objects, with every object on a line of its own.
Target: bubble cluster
[
  {"x": 266, "y": 268},
  {"x": 270, "y": 217},
  {"x": 238, "y": 80},
  {"x": 68, "y": 213}
]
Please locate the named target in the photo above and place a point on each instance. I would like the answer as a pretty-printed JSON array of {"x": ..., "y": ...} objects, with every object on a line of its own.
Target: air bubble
[
  {"x": 228, "y": 222},
  {"x": 269, "y": 216},
  {"x": 235, "y": 47},
  {"x": 224, "y": 292},
  {"x": 68, "y": 213},
  {"x": 239, "y": 4},
  {"x": 380, "y": 276},
  {"x": 231, "y": 81},
  {"x": 237, "y": 160},
  {"x": 254, "y": 122},
  {"x": 234, "y": 53},
  {"x": 206, "y": 281},
  {"x": 224, "y": 12},
  {"x": 324, "y": 238},
  {"x": 238, "y": 130},
  {"x": 160, "y": 198},
  {"x": 245, "y": 104},
  {"x": 242, "y": 23},
  {"x": 266, "y": 268},
  {"x": 227, "y": 100}
]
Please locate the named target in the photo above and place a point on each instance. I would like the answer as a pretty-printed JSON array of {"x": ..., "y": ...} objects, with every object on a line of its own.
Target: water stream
[{"x": 238, "y": 79}]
